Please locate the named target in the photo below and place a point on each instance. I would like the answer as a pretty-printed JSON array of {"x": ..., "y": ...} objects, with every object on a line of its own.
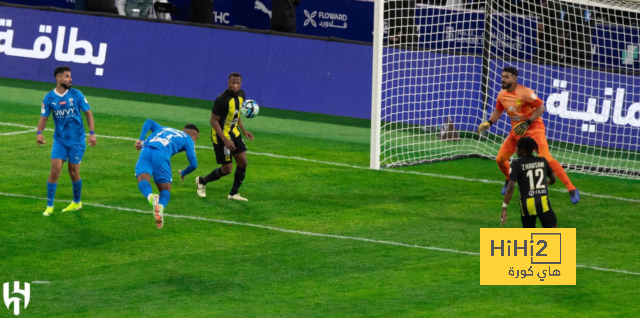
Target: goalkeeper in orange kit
[{"x": 524, "y": 107}]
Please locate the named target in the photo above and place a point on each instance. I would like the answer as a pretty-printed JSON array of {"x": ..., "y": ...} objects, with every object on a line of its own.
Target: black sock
[
  {"x": 237, "y": 181},
  {"x": 213, "y": 176}
]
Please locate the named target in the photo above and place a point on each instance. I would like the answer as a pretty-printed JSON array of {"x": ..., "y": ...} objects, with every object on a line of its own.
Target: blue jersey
[
  {"x": 171, "y": 141},
  {"x": 66, "y": 110}
]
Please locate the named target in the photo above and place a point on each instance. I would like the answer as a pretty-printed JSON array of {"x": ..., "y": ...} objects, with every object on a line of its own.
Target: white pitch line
[
  {"x": 16, "y": 125},
  {"x": 255, "y": 225},
  {"x": 17, "y": 132},
  {"x": 434, "y": 175},
  {"x": 608, "y": 270},
  {"x": 40, "y": 282},
  {"x": 342, "y": 237}
]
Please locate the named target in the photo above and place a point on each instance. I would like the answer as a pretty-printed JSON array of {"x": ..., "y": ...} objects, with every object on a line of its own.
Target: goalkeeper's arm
[
  {"x": 494, "y": 118},
  {"x": 521, "y": 128},
  {"x": 537, "y": 113}
]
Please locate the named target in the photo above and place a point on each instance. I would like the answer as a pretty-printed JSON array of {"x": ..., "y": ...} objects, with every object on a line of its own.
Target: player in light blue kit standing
[
  {"x": 155, "y": 159},
  {"x": 65, "y": 103}
]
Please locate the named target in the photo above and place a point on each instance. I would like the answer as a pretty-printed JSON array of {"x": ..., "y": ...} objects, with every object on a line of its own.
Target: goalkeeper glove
[
  {"x": 521, "y": 128},
  {"x": 484, "y": 126}
]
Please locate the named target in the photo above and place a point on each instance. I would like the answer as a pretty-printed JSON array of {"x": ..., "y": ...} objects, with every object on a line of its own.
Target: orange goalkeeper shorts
[{"x": 509, "y": 146}]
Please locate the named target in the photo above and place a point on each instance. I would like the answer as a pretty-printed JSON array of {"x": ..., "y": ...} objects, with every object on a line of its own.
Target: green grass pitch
[{"x": 317, "y": 237}]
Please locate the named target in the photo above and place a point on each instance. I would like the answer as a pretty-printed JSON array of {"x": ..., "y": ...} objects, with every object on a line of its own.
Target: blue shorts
[
  {"x": 156, "y": 163},
  {"x": 72, "y": 154}
]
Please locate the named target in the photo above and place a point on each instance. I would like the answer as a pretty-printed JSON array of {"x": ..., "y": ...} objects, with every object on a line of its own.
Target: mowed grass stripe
[
  {"x": 434, "y": 175},
  {"x": 342, "y": 237}
]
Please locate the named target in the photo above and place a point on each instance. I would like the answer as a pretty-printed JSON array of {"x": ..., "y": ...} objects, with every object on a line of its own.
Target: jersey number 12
[{"x": 540, "y": 174}]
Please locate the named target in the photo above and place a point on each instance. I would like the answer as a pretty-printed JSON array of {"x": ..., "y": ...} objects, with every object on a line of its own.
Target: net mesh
[{"x": 441, "y": 74}]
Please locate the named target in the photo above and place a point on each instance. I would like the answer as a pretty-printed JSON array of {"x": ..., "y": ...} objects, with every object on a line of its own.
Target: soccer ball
[{"x": 249, "y": 108}]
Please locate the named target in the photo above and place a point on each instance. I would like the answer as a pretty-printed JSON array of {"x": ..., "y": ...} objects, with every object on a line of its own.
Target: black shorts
[
  {"x": 548, "y": 220},
  {"x": 224, "y": 155}
]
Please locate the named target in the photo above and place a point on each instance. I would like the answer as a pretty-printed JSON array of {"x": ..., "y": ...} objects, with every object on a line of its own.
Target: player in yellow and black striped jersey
[
  {"x": 531, "y": 174},
  {"x": 227, "y": 138}
]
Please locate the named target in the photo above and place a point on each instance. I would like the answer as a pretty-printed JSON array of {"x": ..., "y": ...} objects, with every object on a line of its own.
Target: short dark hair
[
  {"x": 511, "y": 70},
  {"x": 235, "y": 74},
  {"x": 61, "y": 69},
  {"x": 192, "y": 127},
  {"x": 528, "y": 145}
]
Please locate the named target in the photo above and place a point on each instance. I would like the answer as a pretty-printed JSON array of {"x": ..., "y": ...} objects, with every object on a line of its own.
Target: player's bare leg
[
  {"x": 238, "y": 177},
  {"x": 215, "y": 175},
  {"x": 52, "y": 184},
  {"x": 56, "y": 169}
]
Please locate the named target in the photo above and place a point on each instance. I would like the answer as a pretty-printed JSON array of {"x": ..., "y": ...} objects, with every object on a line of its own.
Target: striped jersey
[
  {"x": 227, "y": 106},
  {"x": 531, "y": 174}
]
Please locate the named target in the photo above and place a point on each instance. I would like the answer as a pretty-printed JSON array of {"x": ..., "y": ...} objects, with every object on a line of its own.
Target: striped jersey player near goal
[{"x": 531, "y": 173}]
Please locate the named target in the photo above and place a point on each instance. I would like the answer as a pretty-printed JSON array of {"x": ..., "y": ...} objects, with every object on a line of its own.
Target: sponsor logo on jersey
[{"x": 64, "y": 112}]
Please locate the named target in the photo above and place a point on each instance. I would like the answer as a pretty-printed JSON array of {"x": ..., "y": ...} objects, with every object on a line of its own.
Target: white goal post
[{"x": 437, "y": 68}]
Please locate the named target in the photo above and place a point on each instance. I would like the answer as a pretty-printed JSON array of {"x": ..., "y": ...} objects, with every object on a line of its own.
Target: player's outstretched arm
[
  {"x": 192, "y": 166},
  {"x": 92, "y": 136},
  {"x": 149, "y": 124},
  {"x": 41, "y": 126},
  {"x": 495, "y": 116},
  {"x": 507, "y": 198},
  {"x": 246, "y": 133},
  {"x": 193, "y": 161}
]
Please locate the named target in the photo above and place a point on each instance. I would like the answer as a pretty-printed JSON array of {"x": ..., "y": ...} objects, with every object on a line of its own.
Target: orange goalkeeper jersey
[{"x": 519, "y": 105}]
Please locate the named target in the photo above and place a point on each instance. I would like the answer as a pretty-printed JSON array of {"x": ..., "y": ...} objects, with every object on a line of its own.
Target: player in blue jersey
[
  {"x": 65, "y": 103},
  {"x": 155, "y": 160}
]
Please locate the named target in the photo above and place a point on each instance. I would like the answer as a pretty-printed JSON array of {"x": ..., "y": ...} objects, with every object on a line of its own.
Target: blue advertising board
[
  {"x": 112, "y": 53},
  {"x": 344, "y": 19},
  {"x": 586, "y": 107},
  {"x": 583, "y": 106},
  {"x": 424, "y": 88},
  {"x": 65, "y": 4},
  {"x": 463, "y": 31},
  {"x": 615, "y": 47},
  {"x": 252, "y": 14}
]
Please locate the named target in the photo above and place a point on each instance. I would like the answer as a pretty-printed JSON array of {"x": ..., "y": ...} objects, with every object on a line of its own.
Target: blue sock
[
  {"x": 77, "y": 190},
  {"x": 164, "y": 197},
  {"x": 51, "y": 192},
  {"x": 145, "y": 188}
]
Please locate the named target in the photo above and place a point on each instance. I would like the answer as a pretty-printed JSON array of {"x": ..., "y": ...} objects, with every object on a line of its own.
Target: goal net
[{"x": 437, "y": 72}]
